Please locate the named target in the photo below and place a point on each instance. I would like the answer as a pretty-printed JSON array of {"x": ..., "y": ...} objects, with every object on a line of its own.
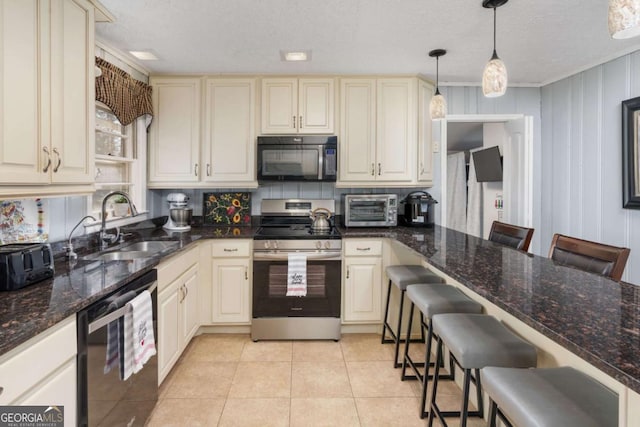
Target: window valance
[{"x": 127, "y": 97}]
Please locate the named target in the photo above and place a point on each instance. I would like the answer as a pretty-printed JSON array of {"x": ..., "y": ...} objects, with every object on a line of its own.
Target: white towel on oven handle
[
  {"x": 297, "y": 275},
  {"x": 138, "y": 331}
]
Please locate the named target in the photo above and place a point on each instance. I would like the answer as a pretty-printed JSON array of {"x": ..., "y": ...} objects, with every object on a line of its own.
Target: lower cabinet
[
  {"x": 231, "y": 282},
  {"x": 28, "y": 378},
  {"x": 177, "y": 308},
  {"x": 362, "y": 281}
]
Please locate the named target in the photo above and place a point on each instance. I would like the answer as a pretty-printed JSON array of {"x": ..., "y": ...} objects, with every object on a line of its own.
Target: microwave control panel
[{"x": 330, "y": 165}]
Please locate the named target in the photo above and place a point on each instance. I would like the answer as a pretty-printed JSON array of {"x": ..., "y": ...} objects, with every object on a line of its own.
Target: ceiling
[{"x": 539, "y": 40}]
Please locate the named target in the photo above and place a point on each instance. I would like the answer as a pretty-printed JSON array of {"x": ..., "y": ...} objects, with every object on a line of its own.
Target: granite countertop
[
  {"x": 29, "y": 311},
  {"x": 596, "y": 318}
]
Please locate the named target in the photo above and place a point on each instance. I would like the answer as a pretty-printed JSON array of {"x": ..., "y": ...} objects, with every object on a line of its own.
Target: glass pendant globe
[
  {"x": 624, "y": 18},
  {"x": 494, "y": 78},
  {"x": 438, "y": 107}
]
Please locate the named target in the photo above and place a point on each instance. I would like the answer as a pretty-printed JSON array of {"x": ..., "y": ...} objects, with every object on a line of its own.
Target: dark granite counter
[
  {"x": 595, "y": 318},
  {"x": 27, "y": 312}
]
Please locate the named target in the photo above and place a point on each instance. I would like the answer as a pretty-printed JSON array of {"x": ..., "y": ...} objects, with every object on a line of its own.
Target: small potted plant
[{"x": 120, "y": 206}]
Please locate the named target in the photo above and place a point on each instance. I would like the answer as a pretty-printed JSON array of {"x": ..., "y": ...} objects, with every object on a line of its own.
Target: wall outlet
[{"x": 436, "y": 146}]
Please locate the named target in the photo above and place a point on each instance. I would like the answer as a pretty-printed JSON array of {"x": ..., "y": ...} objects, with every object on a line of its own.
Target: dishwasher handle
[{"x": 115, "y": 315}]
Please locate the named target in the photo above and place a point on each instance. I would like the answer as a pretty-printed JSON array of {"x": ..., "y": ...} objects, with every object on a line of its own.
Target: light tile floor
[{"x": 229, "y": 380}]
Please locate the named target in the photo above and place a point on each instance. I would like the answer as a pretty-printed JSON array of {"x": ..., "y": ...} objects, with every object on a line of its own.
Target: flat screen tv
[{"x": 488, "y": 164}]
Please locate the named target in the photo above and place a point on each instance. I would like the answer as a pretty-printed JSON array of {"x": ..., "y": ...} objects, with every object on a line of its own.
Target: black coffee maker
[{"x": 417, "y": 210}]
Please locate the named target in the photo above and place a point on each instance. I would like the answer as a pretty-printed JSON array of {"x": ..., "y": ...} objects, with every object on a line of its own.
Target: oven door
[{"x": 270, "y": 287}]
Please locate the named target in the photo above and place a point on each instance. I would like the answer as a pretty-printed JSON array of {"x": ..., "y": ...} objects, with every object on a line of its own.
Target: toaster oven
[{"x": 370, "y": 210}]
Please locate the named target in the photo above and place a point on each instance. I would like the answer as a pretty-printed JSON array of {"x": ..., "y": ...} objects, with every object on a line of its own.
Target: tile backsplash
[{"x": 24, "y": 220}]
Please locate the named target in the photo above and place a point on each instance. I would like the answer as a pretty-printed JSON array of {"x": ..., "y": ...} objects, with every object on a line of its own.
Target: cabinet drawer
[
  {"x": 32, "y": 361},
  {"x": 362, "y": 247},
  {"x": 231, "y": 248}
]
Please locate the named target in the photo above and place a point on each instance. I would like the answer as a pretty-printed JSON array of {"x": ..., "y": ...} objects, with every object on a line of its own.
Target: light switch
[{"x": 436, "y": 147}]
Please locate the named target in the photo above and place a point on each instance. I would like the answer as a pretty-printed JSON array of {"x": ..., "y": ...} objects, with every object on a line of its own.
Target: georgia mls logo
[{"x": 31, "y": 416}]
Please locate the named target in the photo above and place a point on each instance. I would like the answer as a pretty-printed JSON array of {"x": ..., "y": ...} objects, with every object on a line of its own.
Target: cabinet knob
[
  {"x": 363, "y": 249},
  {"x": 46, "y": 168},
  {"x": 1, "y": 390},
  {"x": 300, "y": 122},
  {"x": 347, "y": 272},
  {"x": 230, "y": 250},
  {"x": 208, "y": 169},
  {"x": 373, "y": 169},
  {"x": 246, "y": 273},
  {"x": 195, "y": 170},
  {"x": 294, "y": 122},
  {"x": 379, "y": 168},
  {"x": 421, "y": 168},
  {"x": 57, "y": 153}
]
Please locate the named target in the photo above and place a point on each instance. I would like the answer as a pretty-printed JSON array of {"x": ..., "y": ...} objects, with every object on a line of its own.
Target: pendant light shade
[
  {"x": 495, "y": 78},
  {"x": 438, "y": 105},
  {"x": 624, "y": 18}
]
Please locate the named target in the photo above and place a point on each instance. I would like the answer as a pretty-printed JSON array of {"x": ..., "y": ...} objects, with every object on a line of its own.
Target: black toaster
[{"x": 22, "y": 264}]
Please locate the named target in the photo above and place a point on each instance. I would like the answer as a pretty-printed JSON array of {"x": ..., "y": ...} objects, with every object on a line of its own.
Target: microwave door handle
[
  {"x": 114, "y": 315},
  {"x": 320, "y": 161}
]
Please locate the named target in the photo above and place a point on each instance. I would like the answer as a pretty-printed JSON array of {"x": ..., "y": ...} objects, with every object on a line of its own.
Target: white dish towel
[
  {"x": 139, "y": 341},
  {"x": 297, "y": 275}
]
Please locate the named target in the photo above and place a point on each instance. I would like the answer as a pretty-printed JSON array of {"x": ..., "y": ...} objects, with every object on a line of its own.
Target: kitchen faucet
[
  {"x": 106, "y": 238},
  {"x": 69, "y": 248}
]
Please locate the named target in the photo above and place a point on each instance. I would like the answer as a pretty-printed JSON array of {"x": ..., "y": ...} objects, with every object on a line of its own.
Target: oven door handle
[
  {"x": 114, "y": 315},
  {"x": 283, "y": 257}
]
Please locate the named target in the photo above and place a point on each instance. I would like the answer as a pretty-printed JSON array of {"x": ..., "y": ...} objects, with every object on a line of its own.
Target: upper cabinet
[
  {"x": 195, "y": 144},
  {"x": 47, "y": 77},
  {"x": 292, "y": 105},
  {"x": 382, "y": 132}
]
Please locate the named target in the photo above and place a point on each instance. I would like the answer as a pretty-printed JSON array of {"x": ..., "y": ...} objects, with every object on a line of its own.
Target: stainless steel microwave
[
  {"x": 370, "y": 210},
  {"x": 297, "y": 158}
]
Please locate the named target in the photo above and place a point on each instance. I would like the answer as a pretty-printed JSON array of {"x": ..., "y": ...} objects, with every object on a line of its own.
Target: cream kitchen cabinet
[
  {"x": 379, "y": 132},
  {"x": 178, "y": 302},
  {"x": 195, "y": 144},
  {"x": 28, "y": 378},
  {"x": 174, "y": 147},
  {"x": 231, "y": 281},
  {"x": 47, "y": 77},
  {"x": 425, "y": 146},
  {"x": 362, "y": 281},
  {"x": 292, "y": 105}
]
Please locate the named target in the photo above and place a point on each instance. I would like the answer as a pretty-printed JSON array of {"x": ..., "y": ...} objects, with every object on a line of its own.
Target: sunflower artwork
[{"x": 226, "y": 209}]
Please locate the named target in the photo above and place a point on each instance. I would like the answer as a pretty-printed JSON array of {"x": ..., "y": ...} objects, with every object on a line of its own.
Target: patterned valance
[{"x": 127, "y": 97}]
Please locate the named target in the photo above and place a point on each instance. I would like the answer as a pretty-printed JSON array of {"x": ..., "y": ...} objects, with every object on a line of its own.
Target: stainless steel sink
[
  {"x": 150, "y": 246},
  {"x": 135, "y": 250}
]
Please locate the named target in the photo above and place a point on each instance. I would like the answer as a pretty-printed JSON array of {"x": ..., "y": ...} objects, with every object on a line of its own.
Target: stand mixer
[{"x": 179, "y": 213}]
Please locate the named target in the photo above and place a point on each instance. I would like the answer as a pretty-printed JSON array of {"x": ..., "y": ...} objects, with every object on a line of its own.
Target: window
[{"x": 119, "y": 163}]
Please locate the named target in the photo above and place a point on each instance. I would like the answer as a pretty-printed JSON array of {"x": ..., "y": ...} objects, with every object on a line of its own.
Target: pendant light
[
  {"x": 438, "y": 105},
  {"x": 624, "y": 18},
  {"x": 494, "y": 78}
]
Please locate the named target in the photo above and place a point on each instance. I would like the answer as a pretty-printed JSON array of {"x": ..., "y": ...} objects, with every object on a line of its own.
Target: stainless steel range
[{"x": 286, "y": 229}]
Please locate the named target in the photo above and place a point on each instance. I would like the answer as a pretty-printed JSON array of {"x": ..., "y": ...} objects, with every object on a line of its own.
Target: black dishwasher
[{"x": 103, "y": 398}]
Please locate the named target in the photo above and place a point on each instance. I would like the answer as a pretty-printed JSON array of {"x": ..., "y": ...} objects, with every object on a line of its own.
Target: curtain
[
  {"x": 474, "y": 202},
  {"x": 456, "y": 192},
  {"x": 127, "y": 97}
]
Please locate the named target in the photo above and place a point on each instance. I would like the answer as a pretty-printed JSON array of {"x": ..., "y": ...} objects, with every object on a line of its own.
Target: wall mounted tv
[{"x": 488, "y": 164}]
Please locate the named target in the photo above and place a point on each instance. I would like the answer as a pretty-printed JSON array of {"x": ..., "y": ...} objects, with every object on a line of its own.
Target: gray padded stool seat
[
  {"x": 476, "y": 341},
  {"x": 549, "y": 398},
  {"x": 403, "y": 276},
  {"x": 432, "y": 300}
]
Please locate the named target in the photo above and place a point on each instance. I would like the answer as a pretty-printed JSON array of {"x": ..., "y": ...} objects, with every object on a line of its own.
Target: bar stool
[
  {"x": 511, "y": 235},
  {"x": 432, "y": 300},
  {"x": 475, "y": 341},
  {"x": 549, "y": 397},
  {"x": 403, "y": 276}
]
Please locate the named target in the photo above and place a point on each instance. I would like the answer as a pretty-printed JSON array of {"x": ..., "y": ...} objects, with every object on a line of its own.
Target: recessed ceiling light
[
  {"x": 297, "y": 55},
  {"x": 144, "y": 55}
]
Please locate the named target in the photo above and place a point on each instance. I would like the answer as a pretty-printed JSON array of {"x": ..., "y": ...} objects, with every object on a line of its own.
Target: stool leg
[
  {"x": 480, "y": 411},
  {"x": 425, "y": 381},
  {"x": 434, "y": 388},
  {"x": 396, "y": 364},
  {"x": 465, "y": 398},
  {"x": 406, "y": 345},
  {"x": 385, "y": 325},
  {"x": 493, "y": 409}
]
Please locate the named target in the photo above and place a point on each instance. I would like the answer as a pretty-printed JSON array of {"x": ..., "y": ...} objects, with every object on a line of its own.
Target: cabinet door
[
  {"x": 168, "y": 332},
  {"x": 425, "y": 147},
  {"x": 72, "y": 92},
  {"x": 280, "y": 106},
  {"x": 363, "y": 289},
  {"x": 229, "y": 138},
  {"x": 174, "y": 147},
  {"x": 315, "y": 106},
  {"x": 21, "y": 155},
  {"x": 189, "y": 306},
  {"x": 396, "y": 130},
  {"x": 357, "y": 129},
  {"x": 231, "y": 290}
]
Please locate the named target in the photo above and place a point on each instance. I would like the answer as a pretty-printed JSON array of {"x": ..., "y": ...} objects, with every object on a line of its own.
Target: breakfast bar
[{"x": 574, "y": 318}]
